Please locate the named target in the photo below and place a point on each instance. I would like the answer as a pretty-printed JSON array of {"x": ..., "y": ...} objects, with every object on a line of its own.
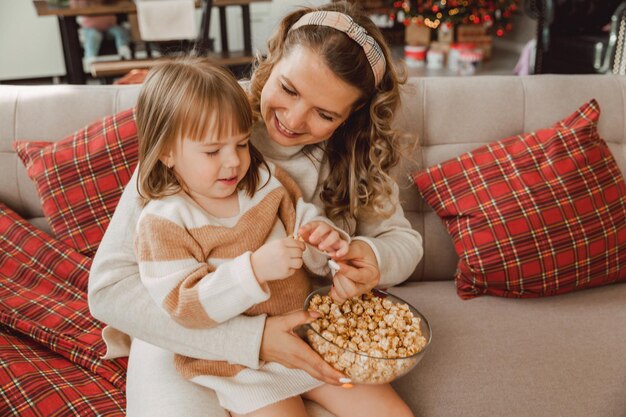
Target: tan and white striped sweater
[{"x": 197, "y": 267}]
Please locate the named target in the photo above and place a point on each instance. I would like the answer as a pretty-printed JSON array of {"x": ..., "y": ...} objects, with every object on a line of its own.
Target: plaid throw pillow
[
  {"x": 44, "y": 297},
  {"x": 538, "y": 214},
  {"x": 81, "y": 178},
  {"x": 36, "y": 382}
]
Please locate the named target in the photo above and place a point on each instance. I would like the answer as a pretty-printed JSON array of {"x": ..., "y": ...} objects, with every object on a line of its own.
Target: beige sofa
[{"x": 557, "y": 356}]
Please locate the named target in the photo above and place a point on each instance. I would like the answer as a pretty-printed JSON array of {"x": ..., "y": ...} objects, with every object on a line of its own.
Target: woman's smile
[{"x": 283, "y": 130}]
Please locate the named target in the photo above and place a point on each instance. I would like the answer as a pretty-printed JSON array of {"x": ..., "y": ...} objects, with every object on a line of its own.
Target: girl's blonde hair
[
  {"x": 362, "y": 151},
  {"x": 188, "y": 98}
]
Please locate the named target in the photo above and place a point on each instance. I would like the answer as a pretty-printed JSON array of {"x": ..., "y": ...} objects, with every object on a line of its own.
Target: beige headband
[{"x": 356, "y": 32}]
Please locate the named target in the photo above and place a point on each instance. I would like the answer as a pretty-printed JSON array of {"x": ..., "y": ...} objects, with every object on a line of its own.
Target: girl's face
[
  {"x": 211, "y": 169},
  {"x": 303, "y": 101}
]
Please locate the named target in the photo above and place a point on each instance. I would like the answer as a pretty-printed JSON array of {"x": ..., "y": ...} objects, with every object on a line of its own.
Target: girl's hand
[
  {"x": 325, "y": 238},
  {"x": 280, "y": 344},
  {"x": 277, "y": 259},
  {"x": 358, "y": 272}
]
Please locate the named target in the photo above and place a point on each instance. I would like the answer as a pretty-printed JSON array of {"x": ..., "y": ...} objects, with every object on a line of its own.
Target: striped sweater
[{"x": 197, "y": 267}]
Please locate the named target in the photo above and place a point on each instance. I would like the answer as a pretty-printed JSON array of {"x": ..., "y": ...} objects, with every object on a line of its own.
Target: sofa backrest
[{"x": 448, "y": 116}]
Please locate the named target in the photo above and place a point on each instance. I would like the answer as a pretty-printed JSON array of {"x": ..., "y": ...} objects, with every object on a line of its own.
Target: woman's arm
[
  {"x": 397, "y": 246},
  {"x": 385, "y": 253}
]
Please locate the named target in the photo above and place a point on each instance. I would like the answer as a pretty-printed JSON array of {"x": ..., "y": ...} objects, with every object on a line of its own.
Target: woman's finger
[
  {"x": 281, "y": 345},
  {"x": 360, "y": 272},
  {"x": 337, "y": 291},
  {"x": 312, "y": 363},
  {"x": 289, "y": 321},
  {"x": 347, "y": 288}
]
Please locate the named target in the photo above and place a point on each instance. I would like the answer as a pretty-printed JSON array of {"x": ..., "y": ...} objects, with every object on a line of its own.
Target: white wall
[{"x": 30, "y": 46}]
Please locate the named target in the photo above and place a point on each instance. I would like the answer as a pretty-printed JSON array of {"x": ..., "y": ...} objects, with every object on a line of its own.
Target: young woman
[{"x": 325, "y": 97}]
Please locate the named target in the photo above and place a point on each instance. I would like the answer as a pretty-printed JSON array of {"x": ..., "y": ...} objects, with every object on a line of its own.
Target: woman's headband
[{"x": 356, "y": 32}]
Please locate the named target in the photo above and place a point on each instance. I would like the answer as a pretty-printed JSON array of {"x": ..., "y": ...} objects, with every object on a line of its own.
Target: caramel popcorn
[{"x": 373, "y": 338}]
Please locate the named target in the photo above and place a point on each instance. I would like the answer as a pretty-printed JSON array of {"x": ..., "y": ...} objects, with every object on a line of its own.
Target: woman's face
[{"x": 303, "y": 101}]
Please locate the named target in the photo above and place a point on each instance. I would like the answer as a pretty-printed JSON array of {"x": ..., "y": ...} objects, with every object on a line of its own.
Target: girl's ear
[{"x": 167, "y": 159}]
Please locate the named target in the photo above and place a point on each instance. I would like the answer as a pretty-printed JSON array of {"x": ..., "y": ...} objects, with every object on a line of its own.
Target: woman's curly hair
[{"x": 362, "y": 151}]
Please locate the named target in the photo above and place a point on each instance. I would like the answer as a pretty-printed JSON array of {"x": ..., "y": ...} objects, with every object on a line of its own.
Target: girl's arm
[
  {"x": 194, "y": 292},
  {"x": 118, "y": 298}
]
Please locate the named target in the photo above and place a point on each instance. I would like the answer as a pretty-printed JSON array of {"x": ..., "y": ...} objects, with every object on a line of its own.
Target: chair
[
  {"x": 572, "y": 36},
  {"x": 618, "y": 41}
]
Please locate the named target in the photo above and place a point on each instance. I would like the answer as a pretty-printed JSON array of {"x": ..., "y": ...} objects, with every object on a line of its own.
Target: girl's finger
[
  {"x": 295, "y": 263},
  {"x": 293, "y": 251},
  {"x": 342, "y": 250},
  {"x": 330, "y": 241},
  {"x": 293, "y": 243},
  {"x": 319, "y": 233}
]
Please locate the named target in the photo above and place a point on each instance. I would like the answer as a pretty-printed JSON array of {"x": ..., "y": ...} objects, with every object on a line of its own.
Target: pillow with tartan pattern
[
  {"x": 80, "y": 178},
  {"x": 537, "y": 214}
]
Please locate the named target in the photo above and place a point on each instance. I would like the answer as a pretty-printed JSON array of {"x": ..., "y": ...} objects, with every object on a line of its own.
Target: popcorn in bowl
[{"x": 374, "y": 338}]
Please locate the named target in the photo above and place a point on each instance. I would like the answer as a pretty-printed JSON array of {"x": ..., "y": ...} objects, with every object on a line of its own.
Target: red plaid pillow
[
  {"x": 542, "y": 213},
  {"x": 44, "y": 296},
  {"x": 36, "y": 382},
  {"x": 81, "y": 178}
]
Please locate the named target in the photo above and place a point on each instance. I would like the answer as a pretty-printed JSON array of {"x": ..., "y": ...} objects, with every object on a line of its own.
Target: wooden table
[{"x": 72, "y": 51}]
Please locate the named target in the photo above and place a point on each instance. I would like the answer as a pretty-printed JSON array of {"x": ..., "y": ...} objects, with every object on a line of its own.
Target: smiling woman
[
  {"x": 297, "y": 108},
  {"x": 323, "y": 107}
]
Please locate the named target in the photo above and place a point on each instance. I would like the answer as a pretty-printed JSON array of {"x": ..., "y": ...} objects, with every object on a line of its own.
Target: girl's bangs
[{"x": 212, "y": 118}]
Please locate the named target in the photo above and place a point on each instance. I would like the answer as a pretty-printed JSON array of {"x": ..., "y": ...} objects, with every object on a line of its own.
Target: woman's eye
[
  {"x": 288, "y": 91},
  {"x": 243, "y": 145},
  {"x": 326, "y": 117},
  {"x": 213, "y": 153}
]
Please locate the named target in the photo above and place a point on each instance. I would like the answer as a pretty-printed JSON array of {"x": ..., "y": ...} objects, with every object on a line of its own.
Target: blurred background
[{"x": 115, "y": 41}]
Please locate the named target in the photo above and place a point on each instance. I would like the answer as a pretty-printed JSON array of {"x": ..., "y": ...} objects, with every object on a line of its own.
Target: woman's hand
[
  {"x": 358, "y": 272},
  {"x": 280, "y": 344}
]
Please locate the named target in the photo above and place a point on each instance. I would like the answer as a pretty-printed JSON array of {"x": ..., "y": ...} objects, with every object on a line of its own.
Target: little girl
[{"x": 215, "y": 238}]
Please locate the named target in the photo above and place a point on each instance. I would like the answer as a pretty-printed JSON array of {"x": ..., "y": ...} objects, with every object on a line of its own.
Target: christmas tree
[{"x": 495, "y": 14}]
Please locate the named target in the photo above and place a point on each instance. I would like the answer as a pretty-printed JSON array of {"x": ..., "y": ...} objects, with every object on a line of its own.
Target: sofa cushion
[
  {"x": 81, "y": 177},
  {"x": 537, "y": 214},
  {"x": 494, "y": 356}
]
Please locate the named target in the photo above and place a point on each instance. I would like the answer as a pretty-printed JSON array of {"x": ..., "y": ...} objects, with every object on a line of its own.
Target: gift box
[{"x": 416, "y": 35}]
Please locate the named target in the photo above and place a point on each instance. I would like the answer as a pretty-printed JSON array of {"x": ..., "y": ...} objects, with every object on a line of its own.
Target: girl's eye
[
  {"x": 326, "y": 117},
  {"x": 288, "y": 91},
  {"x": 243, "y": 145},
  {"x": 213, "y": 153}
]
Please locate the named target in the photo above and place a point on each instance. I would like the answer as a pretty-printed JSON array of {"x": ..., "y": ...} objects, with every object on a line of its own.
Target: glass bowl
[{"x": 375, "y": 366}]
